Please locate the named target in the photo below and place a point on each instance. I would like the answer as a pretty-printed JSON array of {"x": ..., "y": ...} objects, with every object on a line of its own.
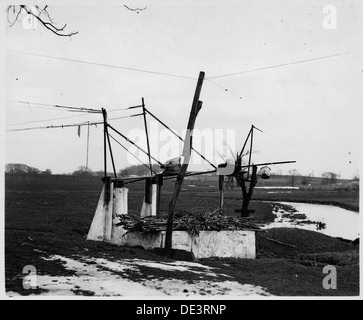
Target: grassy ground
[{"x": 53, "y": 217}]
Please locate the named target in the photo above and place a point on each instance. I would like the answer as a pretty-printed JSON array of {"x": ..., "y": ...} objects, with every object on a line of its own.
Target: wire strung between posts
[
  {"x": 257, "y": 106},
  {"x": 300, "y": 148},
  {"x": 57, "y": 126},
  {"x": 72, "y": 109},
  {"x": 180, "y": 138},
  {"x": 131, "y": 153},
  {"x": 105, "y": 65},
  {"x": 278, "y": 65},
  {"x": 72, "y": 125},
  {"x": 44, "y": 120}
]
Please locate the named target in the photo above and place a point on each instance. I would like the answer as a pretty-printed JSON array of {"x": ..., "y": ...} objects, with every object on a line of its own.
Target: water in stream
[{"x": 337, "y": 222}]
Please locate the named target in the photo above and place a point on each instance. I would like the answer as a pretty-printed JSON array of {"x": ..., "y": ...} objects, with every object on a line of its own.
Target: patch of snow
[
  {"x": 277, "y": 187},
  {"x": 175, "y": 287},
  {"x": 101, "y": 277},
  {"x": 278, "y": 191},
  {"x": 179, "y": 266}
]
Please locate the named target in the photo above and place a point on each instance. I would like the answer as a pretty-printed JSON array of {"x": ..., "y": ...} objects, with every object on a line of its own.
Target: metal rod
[
  {"x": 130, "y": 152},
  {"x": 190, "y": 174},
  {"x": 129, "y": 182},
  {"x": 180, "y": 138},
  {"x": 134, "y": 107},
  {"x": 133, "y": 143},
  {"x": 267, "y": 163}
]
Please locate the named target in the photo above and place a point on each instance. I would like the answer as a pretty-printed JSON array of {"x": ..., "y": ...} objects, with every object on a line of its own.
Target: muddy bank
[{"x": 296, "y": 241}]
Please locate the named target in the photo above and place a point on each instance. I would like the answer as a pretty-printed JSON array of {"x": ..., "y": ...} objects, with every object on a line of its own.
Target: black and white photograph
[{"x": 181, "y": 154}]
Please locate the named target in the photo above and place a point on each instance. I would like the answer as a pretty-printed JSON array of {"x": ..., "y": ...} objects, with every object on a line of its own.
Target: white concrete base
[
  {"x": 223, "y": 244},
  {"x": 102, "y": 225}
]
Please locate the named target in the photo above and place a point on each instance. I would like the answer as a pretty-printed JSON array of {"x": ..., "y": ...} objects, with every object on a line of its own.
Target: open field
[{"x": 47, "y": 220}]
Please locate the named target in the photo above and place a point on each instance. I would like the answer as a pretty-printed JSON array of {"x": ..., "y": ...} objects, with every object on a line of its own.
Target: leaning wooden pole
[
  {"x": 250, "y": 155},
  {"x": 196, "y": 106}
]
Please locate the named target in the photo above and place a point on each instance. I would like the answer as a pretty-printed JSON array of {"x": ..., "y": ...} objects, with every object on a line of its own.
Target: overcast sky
[{"x": 284, "y": 66}]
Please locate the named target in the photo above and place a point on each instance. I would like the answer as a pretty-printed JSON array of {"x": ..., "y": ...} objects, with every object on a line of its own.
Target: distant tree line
[
  {"x": 83, "y": 171},
  {"x": 135, "y": 170},
  {"x": 327, "y": 178},
  {"x": 138, "y": 170},
  {"x": 20, "y": 168}
]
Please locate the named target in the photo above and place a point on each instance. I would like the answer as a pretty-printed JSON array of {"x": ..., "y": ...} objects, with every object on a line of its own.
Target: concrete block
[
  {"x": 101, "y": 227},
  {"x": 148, "y": 240},
  {"x": 223, "y": 244}
]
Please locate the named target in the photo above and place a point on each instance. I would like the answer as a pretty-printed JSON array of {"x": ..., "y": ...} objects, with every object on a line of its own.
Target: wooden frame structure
[{"x": 246, "y": 175}]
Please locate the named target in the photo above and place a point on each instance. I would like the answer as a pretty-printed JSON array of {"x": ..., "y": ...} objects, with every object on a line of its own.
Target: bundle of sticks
[{"x": 192, "y": 222}]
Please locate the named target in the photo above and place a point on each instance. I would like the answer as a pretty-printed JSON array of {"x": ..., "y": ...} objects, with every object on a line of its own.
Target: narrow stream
[{"x": 333, "y": 221}]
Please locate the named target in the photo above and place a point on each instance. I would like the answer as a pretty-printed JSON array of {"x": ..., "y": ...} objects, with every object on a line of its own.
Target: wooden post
[
  {"x": 87, "y": 145},
  {"x": 248, "y": 195},
  {"x": 160, "y": 179},
  {"x": 249, "y": 158},
  {"x": 148, "y": 183},
  {"x": 146, "y": 209},
  {"x": 221, "y": 193},
  {"x": 104, "y": 141},
  {"x": 107, "y": 194},
  {"x": 196, "y": 106},
  {"x": 147, "y": 135}
]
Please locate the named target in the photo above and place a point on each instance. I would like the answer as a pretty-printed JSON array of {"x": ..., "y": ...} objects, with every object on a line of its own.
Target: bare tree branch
[
  {"x": 17, "y": 15},
  {"x": 44, "y": 10},
  {"x": 50, "y": 25}
]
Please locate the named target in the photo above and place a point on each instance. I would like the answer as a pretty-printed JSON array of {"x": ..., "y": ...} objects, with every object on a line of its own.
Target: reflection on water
[{"x": 330, "y": 220}]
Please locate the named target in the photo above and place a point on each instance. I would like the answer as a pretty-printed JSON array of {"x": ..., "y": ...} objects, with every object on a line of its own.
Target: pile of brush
[{"x": 192, "y": 221}]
